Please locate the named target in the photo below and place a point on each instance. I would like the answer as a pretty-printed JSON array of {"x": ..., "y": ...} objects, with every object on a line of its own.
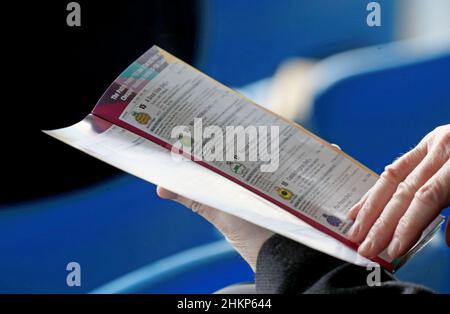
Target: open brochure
[{"x": 166, "y": 122}]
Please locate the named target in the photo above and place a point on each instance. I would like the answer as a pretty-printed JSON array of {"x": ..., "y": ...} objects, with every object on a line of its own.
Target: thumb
[{"x": 205, "y": 211}]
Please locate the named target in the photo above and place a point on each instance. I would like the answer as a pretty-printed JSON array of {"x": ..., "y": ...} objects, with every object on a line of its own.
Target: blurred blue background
[{"x": 377, "y": 91}]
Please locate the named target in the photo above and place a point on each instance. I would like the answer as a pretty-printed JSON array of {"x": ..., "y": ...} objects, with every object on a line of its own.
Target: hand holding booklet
[{"x": 167, "y": 123}]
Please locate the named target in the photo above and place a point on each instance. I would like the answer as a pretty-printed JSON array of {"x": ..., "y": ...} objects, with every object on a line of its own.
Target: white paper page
[{"x": 144, "y": 159}]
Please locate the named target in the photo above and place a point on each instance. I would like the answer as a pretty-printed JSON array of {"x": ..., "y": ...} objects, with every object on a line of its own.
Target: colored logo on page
[
  {"x": 332, "y": 220},
  {"x": 141, "y": 117}
]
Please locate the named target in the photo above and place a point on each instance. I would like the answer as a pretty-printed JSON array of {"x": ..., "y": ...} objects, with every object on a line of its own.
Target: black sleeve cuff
[{"x": 285, "y": 266}]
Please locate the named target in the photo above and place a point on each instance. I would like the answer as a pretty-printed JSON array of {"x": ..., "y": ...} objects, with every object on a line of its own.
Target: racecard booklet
[{"x": 166, "y": 122}]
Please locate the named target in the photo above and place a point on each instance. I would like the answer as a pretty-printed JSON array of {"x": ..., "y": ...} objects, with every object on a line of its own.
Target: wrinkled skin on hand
[{"x": 409, "y": 194}]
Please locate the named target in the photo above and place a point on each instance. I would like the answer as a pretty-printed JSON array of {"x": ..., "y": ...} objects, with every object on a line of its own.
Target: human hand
[
  {"x": 409, "y": 194},
  {"x": 244, "y": 236}
]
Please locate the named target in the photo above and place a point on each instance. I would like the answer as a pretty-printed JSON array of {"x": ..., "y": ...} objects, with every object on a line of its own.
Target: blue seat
[
  {"x": 204, "y": 268},
  {"x": 112, "y": 229},
  {"x": 240, "y": 42},
  {"x": 378, "y": 103}
]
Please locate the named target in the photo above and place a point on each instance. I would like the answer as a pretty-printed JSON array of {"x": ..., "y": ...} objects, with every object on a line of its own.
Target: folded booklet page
[{"x": 168, "y": 123}]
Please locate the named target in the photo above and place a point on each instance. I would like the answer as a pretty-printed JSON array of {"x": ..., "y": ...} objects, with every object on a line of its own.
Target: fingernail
[
  {"x": 365, "y": 247},
  {"x": 354, "y": 231},
  {"x": 394, "y": 248}
]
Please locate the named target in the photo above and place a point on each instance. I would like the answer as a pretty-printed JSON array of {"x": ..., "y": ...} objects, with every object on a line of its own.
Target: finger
[
  {"x": 353, "y": 212},
  {"x": 207, "y": 212},
  {"x": 179, "y": 199},
  {"x": 383, "y": 229},
  {"x": 383, "y": 190},
  {"x": 337, "y": 146},
  {"x": 164, "y": 193},
  {"x": 428, "y": 201}
]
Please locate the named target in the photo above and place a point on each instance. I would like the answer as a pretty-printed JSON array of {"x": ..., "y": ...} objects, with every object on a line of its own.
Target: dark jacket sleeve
[{"x": 285, "y": 266}]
